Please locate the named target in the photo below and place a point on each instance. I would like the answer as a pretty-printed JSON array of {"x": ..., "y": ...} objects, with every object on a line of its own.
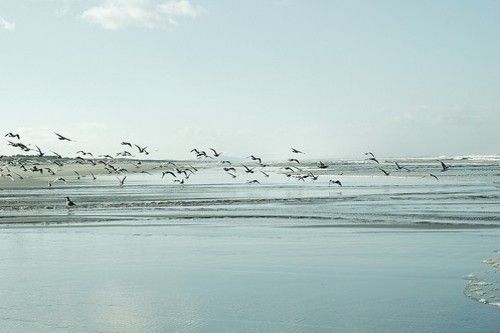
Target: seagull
[
  {"x": 126, "y": 144},
  {"x": 401, "y": 167},
  {"x": 40, "y": 153},
  {"x": 294, "y": 160},
  {"x": 322, "y": 165},
  {"x": 255, "y": 181},
  {"x": 374, "y": 159},
  {"x": 57, "y": 155},
  {"x": 331, "y": 182},
  {"x": 255, "y": 158},
  {"x": 122, "y": 181},
  {"x": 168, "y": 173},
  {"x": 12, "y": 135},
  {"x": 264, "y": 173},
  {"x": 370, "y": 153},
  {"x": 62, "y": 138},
  {"x": 142, "y": 150},
  {"x": 93, "y": 176},
  {"x": 231, "y": 174},
  {"x": 434, "y": 176},
  {"x": 444, "y": 167},
  {"x": 216, "y": 154},
  {"x": 78, "y": 176},
  {"x": 385, "y": 172},
  {"x": 247, "y": 169},
  {"x": 229, "y": 169},
  {"x": 296, "y": 151},
  {"x": 69, "y": 203}
]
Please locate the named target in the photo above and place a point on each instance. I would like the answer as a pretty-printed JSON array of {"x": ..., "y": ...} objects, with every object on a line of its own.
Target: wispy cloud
[
  {"x": 119, "y": 14},
  {"x": 6, "y": 25}
]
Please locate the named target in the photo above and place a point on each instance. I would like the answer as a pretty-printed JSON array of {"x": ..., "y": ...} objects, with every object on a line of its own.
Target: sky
[{"x": 332, "y": 78}]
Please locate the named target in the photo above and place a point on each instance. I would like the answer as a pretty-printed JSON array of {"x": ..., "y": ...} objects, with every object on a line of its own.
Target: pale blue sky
[{"x": 335, "y": 78}]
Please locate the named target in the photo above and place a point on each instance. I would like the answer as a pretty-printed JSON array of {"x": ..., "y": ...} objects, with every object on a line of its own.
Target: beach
[{"x": 381, "y": 253}]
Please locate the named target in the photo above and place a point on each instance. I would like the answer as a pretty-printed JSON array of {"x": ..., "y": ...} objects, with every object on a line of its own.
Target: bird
[
  {"x": 293, "y": 160},
  {"x": 322, "y": 165},
  {"x": 216, "y": 154},
  {"x": 254, "y": 158},
  {"x": 255, "y": 181},
  {"x": 296, "y": 151},
  {"x": 264, "y": 173},
  {"x": 434, "y": 176},
  {"x": 374, "y": 159},
  {"x": 40, "y": 153},
  {"x": 444, "y": 167},
  {"x": 70, "y": 203},
  {"x": 331, "y": 182},
  {"x": 121, "y": 181},
  {"x": 370, "y": 153},
  {"x": 385, "y": 172},
  {"x": 61, "y": 137},
  {"x": 12, "y": 135},
  {"x": 168, "y": 173},
  {"x": 229, "y": 169},
  {"x": 142, "y": 150},
  {"x": 231, "y": 174},
  {"x": 399, "y": 167},
  {"x": 93, "y": 176},
  {"x": 247, "y": 169},
  {"x": 57, "y": 155},
  {"x": 126, "y": 144}
]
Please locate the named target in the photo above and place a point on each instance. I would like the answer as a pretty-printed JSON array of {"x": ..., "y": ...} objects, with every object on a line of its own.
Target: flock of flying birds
[{"x": 179, "y": 174}]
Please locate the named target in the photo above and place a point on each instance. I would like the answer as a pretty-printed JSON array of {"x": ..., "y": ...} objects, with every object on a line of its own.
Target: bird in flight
[
  {"x": 399, "y": 167},
  {"x": 216, "y": 154},
  {"x": 255, "y": 181},
  {"x": 296, "y": 151},
  {"x": 12, "y": 135},
  {"x": 444, "y": 167},
  {"x": 370, "y": 153},
  {"x": 61, "y": 137},
  {"x": 294, "y": 160},
  {"x": 142, "y": 150},
  {"x": 374, "y": 160},
  {"x": 121, "y": 181},
  {"x": 385, "y": 172},
  {"x": 254, "y": 158},
  {"x": 126, "y": 144},
  {"x": 331, "y": 182},
  {"x": 434, "y": 176},
  {"x": 247, "y": 169},
  {"x": 322, "y": 165}
]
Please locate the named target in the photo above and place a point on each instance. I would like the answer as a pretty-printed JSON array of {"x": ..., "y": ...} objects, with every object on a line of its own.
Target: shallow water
[{"x": 380, "y": 254}]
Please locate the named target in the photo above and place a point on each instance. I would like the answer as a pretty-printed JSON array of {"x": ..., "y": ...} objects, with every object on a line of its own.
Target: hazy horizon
[{"x": 332, "y": 78}]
